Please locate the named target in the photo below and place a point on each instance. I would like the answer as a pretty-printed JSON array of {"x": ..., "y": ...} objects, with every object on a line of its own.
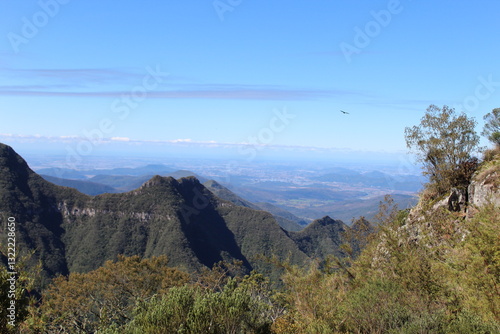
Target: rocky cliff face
[
  {"x": 435, "y": 222},
  {"x": 484, "y": 189}
]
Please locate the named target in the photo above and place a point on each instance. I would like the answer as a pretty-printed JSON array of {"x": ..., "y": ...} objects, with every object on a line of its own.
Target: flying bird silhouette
[{"x": 344, "y": 112}]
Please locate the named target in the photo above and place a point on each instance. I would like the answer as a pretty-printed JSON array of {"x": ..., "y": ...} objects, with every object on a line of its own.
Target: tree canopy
[
  {"x": 444, "y": 142},
  {"x": 491, "y": 128}
]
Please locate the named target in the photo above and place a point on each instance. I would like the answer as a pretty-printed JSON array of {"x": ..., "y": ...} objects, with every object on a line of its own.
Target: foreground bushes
[
  {"x": 437, "y": 274},
  {"x": 191, "y": 309}
]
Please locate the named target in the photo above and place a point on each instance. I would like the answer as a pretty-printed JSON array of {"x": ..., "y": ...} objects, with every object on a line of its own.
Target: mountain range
[
  {"x": 338, "y": 192},
  {"x": 69, "y": 231}
]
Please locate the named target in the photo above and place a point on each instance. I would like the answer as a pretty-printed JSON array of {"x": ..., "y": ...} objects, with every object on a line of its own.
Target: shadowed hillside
[{"x": 182, "y": 219}]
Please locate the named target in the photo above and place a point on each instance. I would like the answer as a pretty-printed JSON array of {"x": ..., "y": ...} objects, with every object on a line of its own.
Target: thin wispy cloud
[
  {"x": 73, "y": 138},
  {"x": 120, "y": 139},
  {"x": 176, "y": 142},
  {"x": 236, "y": 93},
  {"x": 104, "y": 83},
  {"x": 84, "y": 75}
]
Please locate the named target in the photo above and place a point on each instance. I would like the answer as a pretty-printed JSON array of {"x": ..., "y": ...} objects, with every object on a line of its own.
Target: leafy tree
[
  {"x": 85, "y": 303},
  {"x": 444, "y": 141},
  {"x": 491, "y": 128}
]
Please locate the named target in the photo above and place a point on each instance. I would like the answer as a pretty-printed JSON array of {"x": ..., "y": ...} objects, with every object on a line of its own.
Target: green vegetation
[
  {"x": 86, "y": 303},
  {"x": 491, "y": 128},
  {"x": 241, "y": 306},
  {"x": 17, "y": 290},
  {"x": 183, "y": 220},
  {"x": 321, "y": 238},
  {"x": 409, "y": 278}
]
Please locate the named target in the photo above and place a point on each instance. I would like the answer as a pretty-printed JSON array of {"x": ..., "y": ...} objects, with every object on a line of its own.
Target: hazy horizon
[{"x": 112, "y": 157}]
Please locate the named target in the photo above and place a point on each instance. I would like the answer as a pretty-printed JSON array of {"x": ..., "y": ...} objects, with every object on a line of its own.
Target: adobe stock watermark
[
  {"x": 31, "y": 26},
  {"x": 372, "y": 29},
  {"x": 483, "y": 91},
  {"x": 277, "y": 124},
  {"x": 200, "y": 202},
  {"x": 120, "y": 108},
  {"x": 223, "y": 6},
  {"x": 249, "y": 149},
  {"x": 11, "y": 272}
]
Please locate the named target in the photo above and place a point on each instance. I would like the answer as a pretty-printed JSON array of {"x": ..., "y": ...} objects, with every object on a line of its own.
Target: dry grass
[{"x": 492, "y": 154}]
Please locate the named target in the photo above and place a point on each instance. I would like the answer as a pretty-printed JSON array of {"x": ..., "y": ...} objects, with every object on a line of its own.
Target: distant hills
[
  {"x": 338, "y": 192},
  {"x": 100, "y": 181},
  {"x": 73, "y": 232},
  {"x": 86, "y": 187},
  {"x": 378, "y": 179},
  {"x": 354, "y": 208},
  {"x": 84, "y": 174}
]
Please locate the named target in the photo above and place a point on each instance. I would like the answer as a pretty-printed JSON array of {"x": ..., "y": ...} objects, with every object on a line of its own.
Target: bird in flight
[{"x": 344, "y": 112}]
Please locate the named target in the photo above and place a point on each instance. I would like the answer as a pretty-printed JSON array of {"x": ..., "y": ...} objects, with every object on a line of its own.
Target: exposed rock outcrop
[
  {"x": 426, "y": 219},
  {"x": 456, "y": 201},
  {"x": 483, "y": 190}
]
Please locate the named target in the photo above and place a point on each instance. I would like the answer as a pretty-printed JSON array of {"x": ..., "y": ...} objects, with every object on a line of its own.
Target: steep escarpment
[
  {"x": 72, "y": 232},
  {"x": 33, "y": 203}
]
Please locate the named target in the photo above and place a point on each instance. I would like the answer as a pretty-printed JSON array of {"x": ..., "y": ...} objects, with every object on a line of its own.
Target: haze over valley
[{"x": 308, "y": 190}]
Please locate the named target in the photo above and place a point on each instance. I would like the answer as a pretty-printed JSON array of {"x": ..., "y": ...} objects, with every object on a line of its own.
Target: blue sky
[{"x": 216, "y": 74}]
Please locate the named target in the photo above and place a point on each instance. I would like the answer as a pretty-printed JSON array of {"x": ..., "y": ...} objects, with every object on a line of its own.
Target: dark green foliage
[
  {"x": 25, "y": 280},
  {"x": 33, "y": 202},
  {"x": 145, "y": 296},
  {"x": 321, "y": 238},
  {"x": 462, "y": 174}
]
